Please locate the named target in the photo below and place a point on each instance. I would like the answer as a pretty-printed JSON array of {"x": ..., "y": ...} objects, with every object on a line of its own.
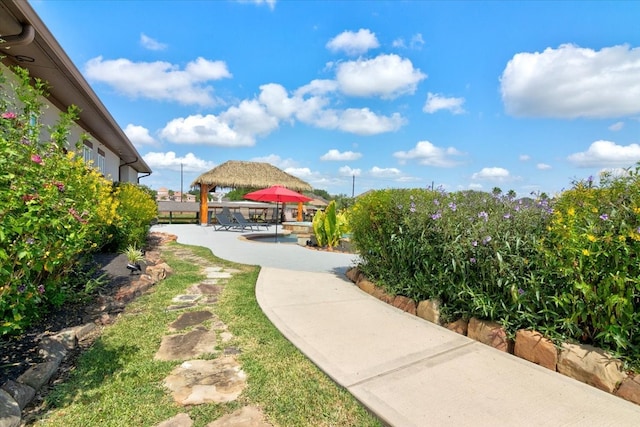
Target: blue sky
[{"x": 526, "y": 96}]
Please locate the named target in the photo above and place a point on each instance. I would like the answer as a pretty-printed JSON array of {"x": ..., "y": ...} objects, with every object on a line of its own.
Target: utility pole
[{"x": 353, "y": 187}]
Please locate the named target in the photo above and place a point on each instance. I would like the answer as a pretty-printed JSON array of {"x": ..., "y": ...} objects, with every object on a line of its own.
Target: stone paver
[{"x": 195, "y": 382}]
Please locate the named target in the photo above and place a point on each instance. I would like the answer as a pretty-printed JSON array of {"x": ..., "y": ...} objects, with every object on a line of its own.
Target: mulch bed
[{"x": 19, "y": 353}]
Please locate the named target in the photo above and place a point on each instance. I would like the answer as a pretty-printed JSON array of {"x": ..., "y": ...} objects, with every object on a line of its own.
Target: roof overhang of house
[{"x": 32, "y": 46}]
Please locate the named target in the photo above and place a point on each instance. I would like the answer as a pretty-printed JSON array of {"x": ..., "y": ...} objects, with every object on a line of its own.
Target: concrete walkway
[{"x": 407, "y": 371}]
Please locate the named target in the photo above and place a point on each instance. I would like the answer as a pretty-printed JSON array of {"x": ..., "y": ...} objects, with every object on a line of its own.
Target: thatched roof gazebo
[{"x": 235, "y": 173}]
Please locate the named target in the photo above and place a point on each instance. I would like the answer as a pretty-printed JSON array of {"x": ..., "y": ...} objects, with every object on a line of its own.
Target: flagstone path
[{"x": 207, "y": 374}]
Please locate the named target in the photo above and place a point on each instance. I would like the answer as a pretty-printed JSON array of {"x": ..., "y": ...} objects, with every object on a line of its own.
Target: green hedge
[{"x": 567, "y": 267}]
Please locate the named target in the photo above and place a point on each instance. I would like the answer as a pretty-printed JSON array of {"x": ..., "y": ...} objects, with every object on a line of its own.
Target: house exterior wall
[{"x": 50, "y": 115}]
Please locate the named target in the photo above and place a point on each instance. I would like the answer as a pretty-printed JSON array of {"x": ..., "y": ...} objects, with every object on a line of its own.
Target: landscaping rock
[
  {"x": 460, "y": 326},
  {"x": 84, "y": 331},
  {"x": 67, "y": 337},
  {"x": 9, "y": 410},
  {"x": 352, "y": 274},
  {"x": 405, "y": 304},
  {"x": 429, "y": 310},
  {"x": 158, "y": 272},
  {"x": 590, "y": 365},
  {"x": 367, "y": 286},
  {"x": 380, "y": 293},
  {"x": 489, "y": 333},
  {"x": 180, "y": 420},
  {"x": 186, "y": 346},
  {"x": 39, "y": 374},
  {"x": 534, "y": 347},
  {"x": 630, "y": 389},
  {"x": 206, "y": 381},
  {"x": 52, "y": 350},
  {"x": 21, "y": 393},
  {"x": 248, "y": 416}
]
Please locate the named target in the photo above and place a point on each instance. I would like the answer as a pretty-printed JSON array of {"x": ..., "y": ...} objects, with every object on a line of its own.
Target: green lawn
[{"x": 117, "y": 382}]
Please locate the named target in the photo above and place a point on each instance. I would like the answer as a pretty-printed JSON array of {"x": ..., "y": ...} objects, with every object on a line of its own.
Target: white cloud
[
  {"x": 302, "y": 173},
  {"x": 416, "y": 42},
  {"x": 317, "y": 87},
  {"x": 437, "y": 102},
  {"x": 151, "y": 44},
  {"x": 169, "y": 161},
  {"x": 335, "y": 155},
  {"x": 250, "y": 118},
  {"x": 358, "y": 121},
  {"x": 159, "y": 80},
  {"x": 206, "y": 130},
  {"x": 571, "y": 81},
  {"x": 270, "y": 3},
  {"x": 606, "y": 154},
  {"x": 475, "y": 186},
  {"x": 353, "y": 43},
  {"x": 276, "y": 161},
  {"x": 543, "y": 166},
  {"x": 428, "y": 154},
  {"x": 387, "y": 76},
  {"x": 492, "y": 174},
  {"x": 384, "y": 172},
  {"x": 524, "y": 157},
  {"x": 139, "y": 135},
  {"x": 616, "y": 126},
  {"x": 348, "y": 171}
]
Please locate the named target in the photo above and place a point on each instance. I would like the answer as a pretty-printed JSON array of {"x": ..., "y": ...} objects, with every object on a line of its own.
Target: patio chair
[
  {"x": 226, "y": 223},
  {"x": 242, "y": 221}
]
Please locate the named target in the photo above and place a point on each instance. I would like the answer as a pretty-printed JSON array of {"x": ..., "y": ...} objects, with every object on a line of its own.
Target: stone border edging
[
  {"x": 16, "y": 394},
  {"x": 585, "y": 363}
]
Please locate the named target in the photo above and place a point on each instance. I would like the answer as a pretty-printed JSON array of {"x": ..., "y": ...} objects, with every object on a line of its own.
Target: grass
[{"x": 117, "y": 382}]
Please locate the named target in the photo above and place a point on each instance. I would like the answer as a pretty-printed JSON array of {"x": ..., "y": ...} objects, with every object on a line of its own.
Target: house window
[
  {"x": 87, "y": 152},
  {"x": 101, "y": 161}
]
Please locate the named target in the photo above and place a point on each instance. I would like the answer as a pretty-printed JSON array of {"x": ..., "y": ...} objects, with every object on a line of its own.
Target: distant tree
[
  {"x": 343, "y": 201},
  {"x": 511, "y": 194},
  {"x": 322, "y": 193},
  {"x": 496, "y": 191}
]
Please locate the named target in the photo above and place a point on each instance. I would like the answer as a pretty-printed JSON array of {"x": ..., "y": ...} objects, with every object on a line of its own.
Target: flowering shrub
[
  {"x": 568, "y": 268},
  {"x": 53, "y": 208},
  {"x": 471, "y": 250},
  {"x": 136, "y": 208},
  {"x": 591, "y": 252}
]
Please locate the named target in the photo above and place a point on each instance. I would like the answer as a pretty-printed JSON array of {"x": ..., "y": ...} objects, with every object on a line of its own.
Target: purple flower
[
  {"x": 60, "y": 186},
  {"x": 436, "y": 202},
  {"x": 474, "y": 243},
  {"x": 506, "y": 216},
  {"x": 517, "y": 208},
  {"x": 436, "y": 215},
  {"x": 21, "y": 288},
  {"x": 604, "y": 217},
  {"x": 472, "y": 260},
  {"x": 412, "y": 208},
  {"x": 453, "y": 206},
  {"x": 41, "y": 289},
  {"x": 486, "y": 240},
  {"x": 30, "y": 241},
  {"x": 36, "y": 159},
  {"x": 483, "y": 215},
  {"x": 520, "y": 291}
]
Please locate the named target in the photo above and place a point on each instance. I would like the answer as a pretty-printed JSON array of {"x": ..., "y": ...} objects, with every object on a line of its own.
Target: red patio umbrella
[{"x": 276, "y": 193}]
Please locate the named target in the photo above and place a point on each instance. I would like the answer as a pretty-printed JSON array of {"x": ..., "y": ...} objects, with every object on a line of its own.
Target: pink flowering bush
[{"x": 54, "y": 209}]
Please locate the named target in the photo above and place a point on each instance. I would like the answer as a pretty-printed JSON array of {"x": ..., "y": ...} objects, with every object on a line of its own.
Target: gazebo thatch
[{"x": 235, "y": 174}]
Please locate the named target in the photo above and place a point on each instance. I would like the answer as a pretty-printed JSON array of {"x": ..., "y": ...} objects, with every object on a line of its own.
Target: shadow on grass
[{"x": 97, "y": 365}]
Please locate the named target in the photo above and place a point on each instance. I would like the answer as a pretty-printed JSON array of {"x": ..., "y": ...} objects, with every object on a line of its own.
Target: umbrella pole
[{"x": 277, "y": 217}]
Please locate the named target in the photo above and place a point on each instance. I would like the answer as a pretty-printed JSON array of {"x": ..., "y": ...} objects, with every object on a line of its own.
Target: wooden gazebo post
[{"x": 204, "y": 204}]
